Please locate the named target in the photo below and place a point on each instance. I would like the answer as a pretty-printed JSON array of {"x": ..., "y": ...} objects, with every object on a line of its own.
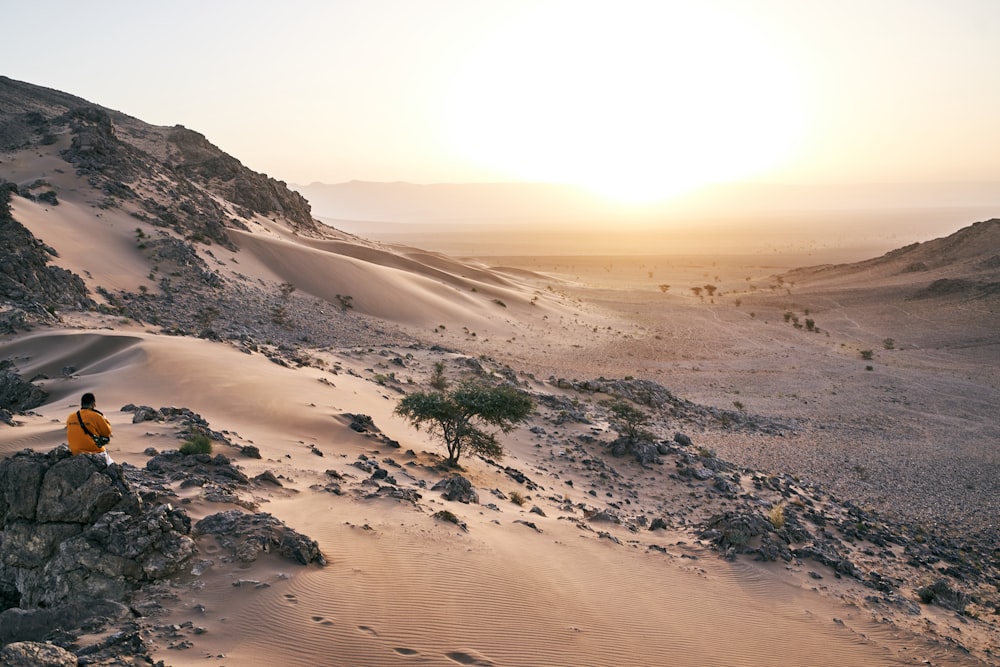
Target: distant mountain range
[{"x": 403, "y": 202}]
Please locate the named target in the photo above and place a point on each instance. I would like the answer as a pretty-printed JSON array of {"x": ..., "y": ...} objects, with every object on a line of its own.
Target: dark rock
[
  {"x": 736, "y": 529},
  {"x": 247, "y": 536},
  {"x": 408, "y": 495},
  {"x": 458, "y": 489},
  {"x": 825, "y": 553},
  {"x": 74, "y": 530},
  {"x": 682, "y": 440},
  {"x": 942, "y": 594},
  {"x": 363, "y": 424},
  {"x": 16, "y": 394},
  {"x": 267, "y": 477},
  {"x": 250, "y": 452},
  {"x": 35, "y": 654},
  {"x": 34, "y": 625}
]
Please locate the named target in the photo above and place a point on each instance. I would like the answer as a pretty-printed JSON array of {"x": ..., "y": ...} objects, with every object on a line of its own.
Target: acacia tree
[
  {"x": 629, "y": 420},
  {"x": 458, "y": 416}
]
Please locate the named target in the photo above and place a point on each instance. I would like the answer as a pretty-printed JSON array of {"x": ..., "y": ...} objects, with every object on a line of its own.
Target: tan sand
[{"x": 402, "y": 587}]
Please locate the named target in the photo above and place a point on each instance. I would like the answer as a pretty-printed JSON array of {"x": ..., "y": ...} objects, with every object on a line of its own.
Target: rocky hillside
[
  {"x": 966, "y": 262},
  {"x": 59, "y": 149},
  {"x": 132, "y": 162}
]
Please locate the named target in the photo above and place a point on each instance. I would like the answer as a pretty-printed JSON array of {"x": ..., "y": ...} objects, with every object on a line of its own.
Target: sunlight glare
[{"x": 637, "y": 100}]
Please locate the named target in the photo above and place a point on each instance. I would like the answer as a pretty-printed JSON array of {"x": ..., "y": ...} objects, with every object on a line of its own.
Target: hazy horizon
[{"x": 633, "y": 101}]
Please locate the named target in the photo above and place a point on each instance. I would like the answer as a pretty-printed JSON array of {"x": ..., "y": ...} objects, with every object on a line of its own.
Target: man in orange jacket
[{"x": 84, "y": 424}]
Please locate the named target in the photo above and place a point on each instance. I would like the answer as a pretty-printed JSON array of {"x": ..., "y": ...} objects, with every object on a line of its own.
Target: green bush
[{"x": 199, "y": 444}]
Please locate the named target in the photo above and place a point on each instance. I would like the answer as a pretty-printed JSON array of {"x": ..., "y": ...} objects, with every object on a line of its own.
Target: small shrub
[
  {"x": 199, "y": 444},
  {"x": 777, "y": 516},
  {"x": 438, "y": 380},
  {"x": 516, "y": 498},
  {"x": 500, "y": 303},
  {"x": 889, "y": 343},
  {"x": 867, "y": 355}
]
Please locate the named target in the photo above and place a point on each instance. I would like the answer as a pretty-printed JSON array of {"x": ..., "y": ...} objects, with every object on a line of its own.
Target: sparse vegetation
[
  {"x": 457, "y": 417},
  {"x": 867, "y": 355},
  {"x": 776, "y": 516},
  {"x": 438, "y": 380},
  {"x": 199, "y": 444},
  {"x": 889, "y": 344},
  {"x": 629, "y": 420},
  {"x": 516, "y": 498}
]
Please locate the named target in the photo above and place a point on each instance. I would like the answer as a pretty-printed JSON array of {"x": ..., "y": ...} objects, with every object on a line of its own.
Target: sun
[{"x": 636, "y": 100}]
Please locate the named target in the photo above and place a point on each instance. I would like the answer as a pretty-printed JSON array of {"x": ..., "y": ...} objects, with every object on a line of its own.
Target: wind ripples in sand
[{"x": 443, "y": 597}]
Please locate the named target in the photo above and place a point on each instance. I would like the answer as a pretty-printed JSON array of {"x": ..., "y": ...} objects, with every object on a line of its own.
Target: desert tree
[
  {"x": 629, "y": 420},
  {"x": 459, "y": 416}
]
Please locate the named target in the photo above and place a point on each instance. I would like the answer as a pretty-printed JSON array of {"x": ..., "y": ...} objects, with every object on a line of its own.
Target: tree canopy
[{"x": 459, "y": 416}]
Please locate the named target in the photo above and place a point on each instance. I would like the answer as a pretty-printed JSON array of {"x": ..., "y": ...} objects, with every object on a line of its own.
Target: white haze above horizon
[{"x": 636, "y": 102}]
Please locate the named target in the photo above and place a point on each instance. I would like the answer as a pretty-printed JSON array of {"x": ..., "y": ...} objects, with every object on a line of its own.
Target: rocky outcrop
[
  {"x": 82, "y": 540},
  {"x": 203, "y": 162},
  {"x": 27, "y": 281},
  {"x": 17, "y": 395},
  {"x": 75, "y": 531},
  {"x": 247, "y": 536}
]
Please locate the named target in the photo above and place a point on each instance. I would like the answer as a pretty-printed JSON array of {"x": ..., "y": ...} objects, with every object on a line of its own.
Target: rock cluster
[
  {"x": 75, "y": 532},
  {"x": 27, "y": 281},
  {"x": 82, "y": 539},
  {"x": 17, "y": 395}
]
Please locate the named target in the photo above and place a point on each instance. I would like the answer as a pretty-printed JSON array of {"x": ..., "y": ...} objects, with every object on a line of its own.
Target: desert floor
[{"x": 912, "y": 438}]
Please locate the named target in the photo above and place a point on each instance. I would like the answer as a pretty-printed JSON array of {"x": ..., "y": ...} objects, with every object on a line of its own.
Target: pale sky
[{"x": 634, "y": 99}]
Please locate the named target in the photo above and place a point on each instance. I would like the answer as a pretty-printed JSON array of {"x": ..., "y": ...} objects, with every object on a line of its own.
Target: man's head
[{"x": 88, "y": 400}]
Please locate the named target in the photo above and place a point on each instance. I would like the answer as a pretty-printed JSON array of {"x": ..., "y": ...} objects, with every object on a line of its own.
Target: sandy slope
[{"x": 404, "y": 588}]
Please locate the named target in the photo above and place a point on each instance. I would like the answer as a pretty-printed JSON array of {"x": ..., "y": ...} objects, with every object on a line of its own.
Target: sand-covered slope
[
  {"x": 212, "y": 289},
  {"x": 510, "y": 586}
]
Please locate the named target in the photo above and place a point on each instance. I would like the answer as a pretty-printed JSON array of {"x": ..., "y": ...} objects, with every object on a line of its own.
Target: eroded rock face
[{"x": 74, "y": 531}]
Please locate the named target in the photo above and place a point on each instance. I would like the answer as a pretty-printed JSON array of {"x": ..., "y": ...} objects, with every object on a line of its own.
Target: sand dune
[
  {"x": 405, "y": 588},
  {"x": 906, "y": 438}
]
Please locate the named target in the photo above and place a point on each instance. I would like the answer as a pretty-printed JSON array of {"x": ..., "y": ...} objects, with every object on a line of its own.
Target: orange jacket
[{"x": 80, "y": 442}]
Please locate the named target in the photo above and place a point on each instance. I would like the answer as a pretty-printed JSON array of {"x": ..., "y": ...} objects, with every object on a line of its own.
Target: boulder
[
  {"x": 34, "y": 654},
  {"x": 74, "y": 531},
  {"x": 458, "y": 489},
  {"x": 247, "y": 536}
]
